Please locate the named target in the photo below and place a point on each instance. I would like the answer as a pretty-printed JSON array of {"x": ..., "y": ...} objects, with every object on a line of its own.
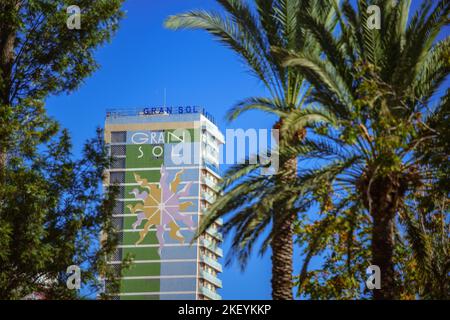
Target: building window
[
  {"x": 117, "y": 151},
  {"x": 117, "y": 177},
  {"x": 121, "y": 193},
  {"x": 118, "y": 137},
  {"x": 118, "y": 163},
  {"x": 118, "y": 207},
  {"x": 117, "y": 223}
]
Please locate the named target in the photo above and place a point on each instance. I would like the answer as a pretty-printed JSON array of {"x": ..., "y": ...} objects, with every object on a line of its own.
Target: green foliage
[
  {"x": 51, "y": 206},
  {"x": 48, "y": 56},
  {"x": 52, "y": 211},
  {"x": 380, "y": 86},
  {"x": 341, "y": 239}
]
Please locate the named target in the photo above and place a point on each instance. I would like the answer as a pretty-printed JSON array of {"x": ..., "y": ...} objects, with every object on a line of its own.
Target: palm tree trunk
[
  {"x": 282, "y": 252},
  {"x": 383, "y": 250},
  {"x": 385, "y": 194},
  {"x": 282, "y": 244}
]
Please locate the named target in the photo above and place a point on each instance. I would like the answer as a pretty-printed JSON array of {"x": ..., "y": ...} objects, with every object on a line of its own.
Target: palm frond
[
  {"x": 433, "y": 72},
  {"x": 329, "y": 44},
  {"x": 273, "y": 106},
  {"x": 420, "y": 37},
  {"x": 324, "y": 78},
  {"x": 232, "y": 34},
  {"x": 307, "y": 117}
]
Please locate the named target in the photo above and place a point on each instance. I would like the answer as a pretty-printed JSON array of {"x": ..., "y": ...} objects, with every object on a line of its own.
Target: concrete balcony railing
[
  {"x": 214, "y": 248},
  {"x": 214, "y": 233},
  {"x": 211, "y": 278},
  {"x": 211, "y": 158},
  {"x": 211, "y": 262},
  {"x": 211, "y": 184},
  {"x": 211, "y": 167},
  {"x": 210, "y": 294},
  {"x": 208, "y": 197}
]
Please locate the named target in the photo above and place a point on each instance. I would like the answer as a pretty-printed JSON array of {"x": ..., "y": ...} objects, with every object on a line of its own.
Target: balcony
[
  {"x": 214, "y": 233},
  {"x": 208, "y": 197},
  {"x": 211, "y": 158},
  {"x": 210, "y": 294},
  {"x": 212, "y": 167},
  {"x": 211, "y": 278},
  {"x": 214, "y": 248},
  {"x": 211, "y": 262},
  {"x": 214, "y": 143},
  {"x": 211, "y": 184}
]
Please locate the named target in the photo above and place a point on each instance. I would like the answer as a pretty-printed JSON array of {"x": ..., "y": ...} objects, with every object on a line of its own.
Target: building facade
[{"x": 166, "y": 164}]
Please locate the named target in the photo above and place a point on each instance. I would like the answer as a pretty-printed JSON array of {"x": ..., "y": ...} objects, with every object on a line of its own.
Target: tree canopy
[{"x": 51, "y": 205}]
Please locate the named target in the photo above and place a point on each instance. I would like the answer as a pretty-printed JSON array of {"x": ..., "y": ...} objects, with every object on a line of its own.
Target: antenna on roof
[{"x": 165, "y": 97}]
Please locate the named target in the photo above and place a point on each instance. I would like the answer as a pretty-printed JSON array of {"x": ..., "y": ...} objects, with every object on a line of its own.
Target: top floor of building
[{"x": 163, "y": 118}]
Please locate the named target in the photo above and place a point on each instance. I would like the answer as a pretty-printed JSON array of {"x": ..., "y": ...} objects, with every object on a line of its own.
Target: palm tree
[
  {"x": 254, "y": 200},
  {"x": 427, "y": 233},
  {"x": 379, "y": 90},
  {"x": 426, "y": 213}
]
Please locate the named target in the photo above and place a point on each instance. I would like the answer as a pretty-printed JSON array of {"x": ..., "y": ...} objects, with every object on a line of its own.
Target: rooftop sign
[{"x": 154, "y": 111}]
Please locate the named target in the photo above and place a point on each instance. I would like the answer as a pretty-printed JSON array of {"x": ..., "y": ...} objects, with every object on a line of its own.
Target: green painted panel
[
  {"x": 151, "y": 156},
  {"x": 142, "y": 253},
  {"x": 139, "y": 285},
  {"x": 132, "y": 237},
  {"x": 152, "y": 297},
  {"x": 128, "y": 221},
  {"x": 139, "y": 269}
]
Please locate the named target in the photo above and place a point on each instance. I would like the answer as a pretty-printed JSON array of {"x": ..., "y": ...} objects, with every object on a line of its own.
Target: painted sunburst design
[{"x": 161, "y": 207}]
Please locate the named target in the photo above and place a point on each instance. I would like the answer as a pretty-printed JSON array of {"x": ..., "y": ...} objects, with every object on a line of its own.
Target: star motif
[{"x": 161, "y": 207}]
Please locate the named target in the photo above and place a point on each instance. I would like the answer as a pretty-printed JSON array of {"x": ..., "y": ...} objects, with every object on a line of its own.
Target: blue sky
[{"x": 142, "y": 61}]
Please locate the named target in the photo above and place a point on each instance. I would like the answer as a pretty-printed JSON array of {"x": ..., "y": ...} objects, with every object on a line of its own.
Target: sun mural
[{"x": 161, "y": 207}]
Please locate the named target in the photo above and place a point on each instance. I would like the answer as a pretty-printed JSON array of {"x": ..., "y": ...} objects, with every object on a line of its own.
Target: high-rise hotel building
[{"x": 166, "y": 164}]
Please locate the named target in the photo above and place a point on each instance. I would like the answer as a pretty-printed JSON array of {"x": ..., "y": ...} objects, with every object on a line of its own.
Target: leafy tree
[
  {"x": 51, "y": 208},
  {"x": 340, "y": 240},
  {"x": 52, "y": 214},
  {"x": 252, "y": 200},
  {"x": 426, "y": 213},
  {"x": 40, "y": 56},
  {"x": 377, "y": 92}
]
